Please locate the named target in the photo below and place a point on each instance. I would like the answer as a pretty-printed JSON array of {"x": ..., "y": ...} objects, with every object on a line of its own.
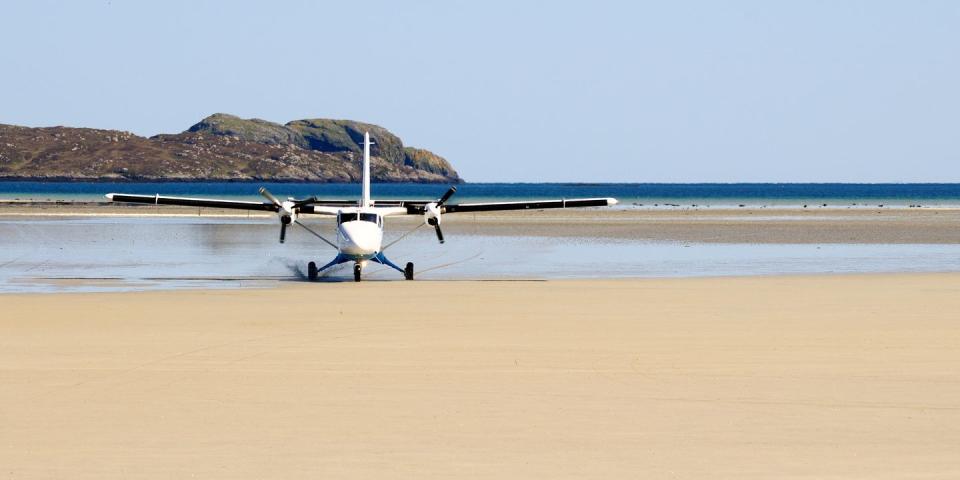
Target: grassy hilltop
[{"x": 220, "y": 147}]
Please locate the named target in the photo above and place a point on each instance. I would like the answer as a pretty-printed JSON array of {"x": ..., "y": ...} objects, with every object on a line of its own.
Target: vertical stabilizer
[{"x": 365, "y": 201}]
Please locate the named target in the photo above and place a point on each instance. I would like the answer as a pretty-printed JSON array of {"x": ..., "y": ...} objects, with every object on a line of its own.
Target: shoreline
[{"x": 703, "y": 225}]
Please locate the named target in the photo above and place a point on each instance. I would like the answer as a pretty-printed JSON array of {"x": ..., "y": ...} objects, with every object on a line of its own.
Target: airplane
[{"x": 359, "y": 224}]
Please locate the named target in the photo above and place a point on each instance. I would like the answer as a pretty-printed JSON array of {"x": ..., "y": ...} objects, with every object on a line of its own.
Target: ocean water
[{"x": 629, "y": 194}]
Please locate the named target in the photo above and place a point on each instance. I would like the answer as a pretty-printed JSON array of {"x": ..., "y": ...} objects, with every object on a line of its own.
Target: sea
[{"x": 630, "y": 195}]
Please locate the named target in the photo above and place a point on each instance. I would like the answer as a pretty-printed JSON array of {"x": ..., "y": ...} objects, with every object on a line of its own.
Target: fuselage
[
  {"x": 359, "y": 232},
  {"x": 360, "y": 229}
]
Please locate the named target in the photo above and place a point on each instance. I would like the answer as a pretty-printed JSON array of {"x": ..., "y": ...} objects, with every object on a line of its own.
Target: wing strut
[{"x": 315, "y": 234}]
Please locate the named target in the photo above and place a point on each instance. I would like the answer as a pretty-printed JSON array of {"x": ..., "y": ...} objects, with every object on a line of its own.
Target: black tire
[
  {"x": 312, "y": 271},
  {"x": 356, "y": 272},
  {"x": 408, "y": 271}
]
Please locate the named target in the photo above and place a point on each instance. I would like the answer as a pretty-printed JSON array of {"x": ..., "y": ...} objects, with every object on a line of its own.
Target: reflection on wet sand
[{"x": 150, "y": 252}]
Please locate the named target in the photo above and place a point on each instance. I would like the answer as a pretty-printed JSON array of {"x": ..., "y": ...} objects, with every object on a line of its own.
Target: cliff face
[{"x": 219, "y": 148}]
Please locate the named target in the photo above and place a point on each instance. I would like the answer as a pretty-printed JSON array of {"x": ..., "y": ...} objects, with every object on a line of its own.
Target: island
[{"x": 221, "y": 147}]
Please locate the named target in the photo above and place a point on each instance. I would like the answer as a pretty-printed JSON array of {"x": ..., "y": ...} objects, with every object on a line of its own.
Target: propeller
[
  {"x": 432, "y": 212},
  {"x": 269, "y": 196},
  {"x": 446, "y": 196},
  {"x": 286, "y": 210},
  {"x": 284, "y": 221}
]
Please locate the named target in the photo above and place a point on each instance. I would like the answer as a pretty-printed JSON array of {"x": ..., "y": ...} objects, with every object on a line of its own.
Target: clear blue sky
[{"x": 864, "y": 91}]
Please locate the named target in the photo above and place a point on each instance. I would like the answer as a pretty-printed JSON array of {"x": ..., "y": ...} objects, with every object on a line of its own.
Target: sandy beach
[{"x": 765, "y": 377}]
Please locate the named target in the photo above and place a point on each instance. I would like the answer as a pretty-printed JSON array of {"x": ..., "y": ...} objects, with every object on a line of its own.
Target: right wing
[
  {"x": 192, "y": 202},
  {"x": 314, "y": 207}
]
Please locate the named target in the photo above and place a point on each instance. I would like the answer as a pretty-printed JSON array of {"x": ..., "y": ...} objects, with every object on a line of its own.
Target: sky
[{"x": 513, "y": 91}]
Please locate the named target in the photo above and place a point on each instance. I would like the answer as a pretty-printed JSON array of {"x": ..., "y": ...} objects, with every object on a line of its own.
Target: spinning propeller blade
[
  {"x": 436, "y": 226},
  {"x": 436, "y": 212},
  {"x": 285, "y": 210},
  {"x": 446, "y": 196},
  {"x": 276, "y": 201},
  {"x": 284, "y": 221},
  {"x": 269, "y": 196}
]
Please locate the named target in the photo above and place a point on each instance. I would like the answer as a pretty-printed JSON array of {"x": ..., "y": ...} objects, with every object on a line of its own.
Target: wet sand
[
  {"x": 728, "y": 226},
  {"x": 703, "y": 225},
  {"x": 764, "y": 377}
]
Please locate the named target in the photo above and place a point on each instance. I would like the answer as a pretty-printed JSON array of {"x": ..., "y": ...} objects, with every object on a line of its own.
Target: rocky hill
[{"x": 220, "y": 147}]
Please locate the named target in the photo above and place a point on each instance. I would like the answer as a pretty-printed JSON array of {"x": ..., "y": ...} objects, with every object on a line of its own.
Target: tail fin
[{"x": 365, "y": 200}]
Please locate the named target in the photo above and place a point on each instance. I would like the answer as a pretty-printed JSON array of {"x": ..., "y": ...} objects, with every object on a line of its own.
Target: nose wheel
[
  {"x": 356, "y": 272},
  {"x": 312, "y": 271},
  {"x": 408, "y": 271}
]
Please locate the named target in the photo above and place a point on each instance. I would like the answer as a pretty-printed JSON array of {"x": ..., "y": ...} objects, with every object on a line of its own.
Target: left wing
[{"x": 419, "y": 208}]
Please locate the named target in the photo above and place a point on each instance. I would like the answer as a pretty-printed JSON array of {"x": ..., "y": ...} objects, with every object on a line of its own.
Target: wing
[
  {"x": 500, "y": 206},
  {"x": 314, "y": 207},
  {"x": 329, "y": 207},
  {"x": 192, "y": 202}
]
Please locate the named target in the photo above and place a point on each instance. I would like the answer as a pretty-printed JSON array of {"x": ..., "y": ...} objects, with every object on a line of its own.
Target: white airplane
[{"x": 359, "y": 225}]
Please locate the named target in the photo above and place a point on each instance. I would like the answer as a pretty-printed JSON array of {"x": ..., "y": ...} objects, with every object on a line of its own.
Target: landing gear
[{"x": 313, "y": 271}]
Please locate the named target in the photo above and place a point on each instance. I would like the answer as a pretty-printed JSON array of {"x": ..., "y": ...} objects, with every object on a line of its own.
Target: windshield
[{"x": 351, "y": 217}]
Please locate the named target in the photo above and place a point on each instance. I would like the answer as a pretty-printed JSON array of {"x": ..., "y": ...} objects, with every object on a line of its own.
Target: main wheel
[
  {"x": 356, "y": 272},
  {"x": 312, "y": 271},
  {"x": 408, "y": 271}
]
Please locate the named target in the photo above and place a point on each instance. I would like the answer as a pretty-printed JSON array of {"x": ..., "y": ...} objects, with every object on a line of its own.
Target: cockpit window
[{"x": 365, "y": 217}]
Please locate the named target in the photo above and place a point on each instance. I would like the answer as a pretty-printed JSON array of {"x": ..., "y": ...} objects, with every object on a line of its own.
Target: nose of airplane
[{"x": 360, "y": 238}]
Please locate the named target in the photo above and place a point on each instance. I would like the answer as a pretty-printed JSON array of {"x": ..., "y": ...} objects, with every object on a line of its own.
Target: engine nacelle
[
  {"x": 287, "y": 212},
  {"x": 431, "y": 214}
]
